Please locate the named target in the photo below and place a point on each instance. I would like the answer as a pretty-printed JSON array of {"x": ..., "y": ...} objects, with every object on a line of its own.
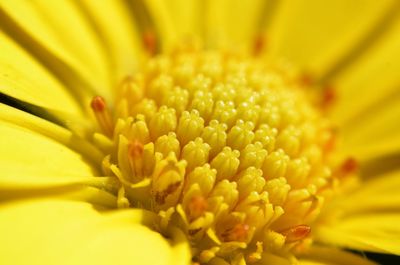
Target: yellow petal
[
  {"x": 232, "y": 23},
  {"x": 26, "y": 153},
  {"x": 374, "y": 136},
  {"x": 368, "y": 219},
  {"x": 24, "y": 78},
  {"x": 26, "y": 182},
  {"x": 160, "y": 19},
  {"x": 318, "y": 34},
  {"x": 61, "y": 232},
  {"x": 332, "y": 256},
  {"x": 379, "y": 194},
  {"x": 244, "y": 18},
  {"x": 121, "y": 37},
  {"x": 372, "y": 79},
  {"x": 65, "y": 43},
  {"x": 214, "y": 23},
  {"x": 19, "y": 122},
  {"x": 187, "y": 17},
  {"x": 366, "y": 232},
  {"x": 95, "y": 190}
]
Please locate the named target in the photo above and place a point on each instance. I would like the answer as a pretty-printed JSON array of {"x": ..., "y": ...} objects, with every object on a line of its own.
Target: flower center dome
[{"x": 224, "y": 147}]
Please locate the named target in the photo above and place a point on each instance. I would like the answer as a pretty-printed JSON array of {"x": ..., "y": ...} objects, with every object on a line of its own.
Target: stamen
[
  {"x": 160, "y": 196},
  {"x": 150, "y": 42},
  {"x": 197, "y": 206},
  {"x": 102, "y": 115},
  {"x": 135, "y": 152},
  {"x": 306, "y": 79},
  {"x": 350, "y": 165},
  {"x": 258, "y": 44},
  {"x": 238, "y": 233},
  {"x": 296, "y": 233},
  {"x": 328, "y": 97}
]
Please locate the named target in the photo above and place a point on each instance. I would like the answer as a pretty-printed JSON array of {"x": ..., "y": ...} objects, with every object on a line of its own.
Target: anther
[
  {"x": 238, "y": 233},
  {"x": 330, "y": 143},
  {"x": 296, "y": 233},
  {"x": 103, "y": 117},
  {"x": 349, "y": 166},
  {"x": 162, "y": 195},
  {"x": 258, "y": 44},
  {"x": 328, "y": 97},
  {"x": 150, "y": 41},
  {"x": 197, "y": 206},
  {"x": 306, "y": 79},
  {"x": 135, "y": 149},
  {"x": 135, "y": 153}
]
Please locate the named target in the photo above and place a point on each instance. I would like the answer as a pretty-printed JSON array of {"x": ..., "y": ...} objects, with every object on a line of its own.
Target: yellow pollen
[{"x": 226, "y": 148}]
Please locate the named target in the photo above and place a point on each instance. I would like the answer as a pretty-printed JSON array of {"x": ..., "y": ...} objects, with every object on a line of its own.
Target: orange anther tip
[
  {"x": 306, "y": 79},
  {"x": 258, "y": 45},
  {"x": 197, "y": 206},
  {"x": 350, "y": 165},
  {"x": 149, "y": 41},
  {"x": 98, "y": 104},
  {"x": 237, "y": 233},
  {"x": 329, "y": 96},
  {"x": 296, "y": 233},
  {"x": 135, "y": 148}
]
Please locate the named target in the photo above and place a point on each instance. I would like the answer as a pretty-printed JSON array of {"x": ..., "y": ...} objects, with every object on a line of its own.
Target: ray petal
[
  {"x": 65, "y": 232},
  {"x": 121, "y": 37},
  {"x": 317, "y": 36},
  {"x": 32, "y": 146},
  {"x": 24, "y": 78},
  {"x": 65, "y": 43},
  {"x": 318, "y": 255}
]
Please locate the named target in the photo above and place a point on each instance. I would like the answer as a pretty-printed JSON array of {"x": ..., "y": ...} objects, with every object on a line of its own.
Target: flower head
[{"x": 191, "y": 138}]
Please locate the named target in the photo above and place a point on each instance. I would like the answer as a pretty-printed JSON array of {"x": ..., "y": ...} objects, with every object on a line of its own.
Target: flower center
[{"x": 226, "y": 148}]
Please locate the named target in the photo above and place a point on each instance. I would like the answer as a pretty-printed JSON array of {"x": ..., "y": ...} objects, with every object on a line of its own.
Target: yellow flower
[{"x": 199, "y": 132}]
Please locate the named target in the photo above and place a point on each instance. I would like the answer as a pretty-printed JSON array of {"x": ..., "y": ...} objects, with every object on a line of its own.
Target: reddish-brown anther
[
  {"x": 135, "y": 149},
  {"x": 239, "y": 232},
  {"x": 98, "y": 104},
  {"x": 197, "y": 206},
  {"x": 296, "y": 233},
  {"x": 150, "y": 41}
]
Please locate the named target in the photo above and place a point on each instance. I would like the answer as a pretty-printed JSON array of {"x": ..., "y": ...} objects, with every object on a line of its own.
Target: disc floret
[{"x": 225, "y": 148}]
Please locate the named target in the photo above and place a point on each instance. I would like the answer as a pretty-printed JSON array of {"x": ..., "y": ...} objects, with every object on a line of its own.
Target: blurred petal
[
  {"x": 74, "y": 233},
  {"x": 317, "y": 34},
  {"x": 368, "y": 219},
  {"x": 379, "y": 128},
  {"x": 121, "y": 37},
  {"x": 366, "y": 232},
  {"x": 65, "y": 44},
  {"x": 332, "y": 256},
  {"x": 243, "y": 20},
  {"x": 215, "y": 34},
  {"x": 160, "y": 19},
  {"x": 372, "y": 80},
  {"x": 23, "y": 77},
  {"x": 379, "y": 194},
  {"x": 187, "y": 16},
  {"x": 233, "y": 24},
  {"x": 373, "y": 117}
]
